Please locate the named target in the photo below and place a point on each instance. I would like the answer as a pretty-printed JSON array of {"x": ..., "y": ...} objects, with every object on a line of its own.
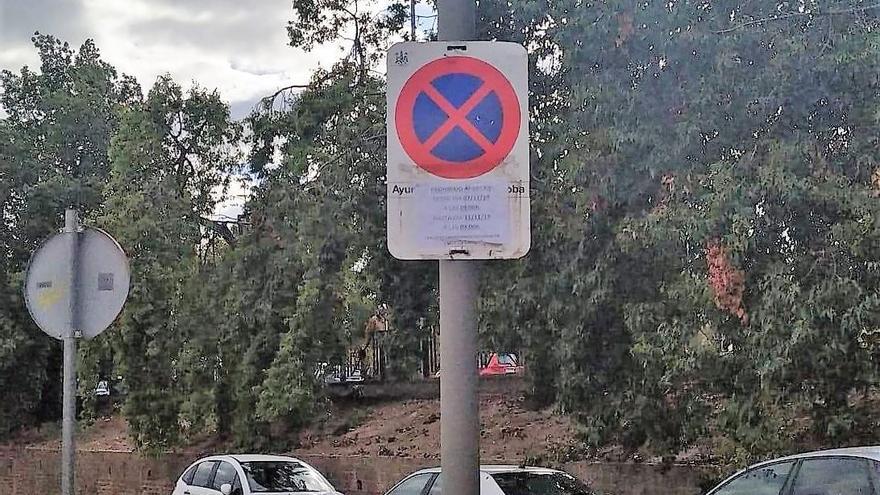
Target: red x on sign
[
  {"x": 471, "y": 123},
  {"x": 457, "y": 118}
]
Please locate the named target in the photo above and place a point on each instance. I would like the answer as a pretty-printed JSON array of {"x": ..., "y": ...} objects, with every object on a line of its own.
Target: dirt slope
[
  {"x": 509, "y": 433},
  {"x": 107, "y": 434},
  {"x": 410, "y": 428}
]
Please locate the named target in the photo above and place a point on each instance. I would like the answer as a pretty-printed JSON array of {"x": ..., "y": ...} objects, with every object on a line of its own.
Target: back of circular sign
[{"x": 103, "y": 277}]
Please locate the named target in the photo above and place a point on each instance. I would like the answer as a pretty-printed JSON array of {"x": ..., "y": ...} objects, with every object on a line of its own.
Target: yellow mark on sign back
[{"x": 50, "y": 297}]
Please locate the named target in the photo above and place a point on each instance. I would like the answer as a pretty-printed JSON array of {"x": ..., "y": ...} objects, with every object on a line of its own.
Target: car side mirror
[{"x": 226, "y": 489}]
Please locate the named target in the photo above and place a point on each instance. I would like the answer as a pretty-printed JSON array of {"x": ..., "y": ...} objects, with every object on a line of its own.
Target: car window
[
  {"x": 523, "y": 483},
  {"x": 225, "y": 475},
  {"x": 411, "y": 486},
  {"x": 437, "y": 487},
  {"x": 188, "y": 476},
  {"x": 507, "y": 359},
  {"x": 833, "y": 476},
  {"x": 282, "y": 476},
  {"x": 203, "y": 474},
  {"x": 765, "y": 480}
]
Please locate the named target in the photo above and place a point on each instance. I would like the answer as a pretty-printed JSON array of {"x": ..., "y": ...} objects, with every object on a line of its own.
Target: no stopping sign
[
  {"x": 458, "y": 117},
  {"x": 458, "y": 151}
]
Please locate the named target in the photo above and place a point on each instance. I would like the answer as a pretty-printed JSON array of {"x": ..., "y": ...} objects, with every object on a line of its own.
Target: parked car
[
  {"x": 852, "y": 471},
  {"x": 335, "y": 375},
  {"x": 498, "y": 480},
  {"x": 251, "y": 474},
  {"x": 501, "y": 364},
  {"x": 102, "y": 389},
  {"x": 498, "y": 365}
]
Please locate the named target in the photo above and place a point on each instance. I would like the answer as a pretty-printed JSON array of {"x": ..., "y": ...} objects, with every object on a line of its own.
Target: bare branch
[
  {"x": 221, "y": 228},
  {"x": 269, "y": 101},
  {"x": 350, "y": 13}
]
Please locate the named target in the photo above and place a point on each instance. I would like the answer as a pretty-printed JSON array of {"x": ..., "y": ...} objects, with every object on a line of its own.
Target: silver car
[
  {"x": 498, "y": 480},
  {"x": 853, "y": 471},
  {"x": 251, "y": 474}
]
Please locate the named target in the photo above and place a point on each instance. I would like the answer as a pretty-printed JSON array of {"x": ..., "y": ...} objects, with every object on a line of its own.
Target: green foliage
[
  {"x": 320, "y": 21},
  {"x": 169, "y": 156},
  {"x": 660, "y": 129},
  {"x": 53, "y": 153},
  {"x": 705, "y": 227},
  {"x": 315, "y": 249}
]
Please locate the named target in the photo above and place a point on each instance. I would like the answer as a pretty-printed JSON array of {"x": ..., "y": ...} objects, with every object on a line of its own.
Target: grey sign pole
[
  {"x": 76, "y": 285},
  {"x": 68, "y": 422},
  {"x": 459, "y": 400},
  {"x": 459, "y": 406}
]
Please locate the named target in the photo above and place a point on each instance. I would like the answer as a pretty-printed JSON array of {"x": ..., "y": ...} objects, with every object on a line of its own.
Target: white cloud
[{"x": 237, "y": 46}]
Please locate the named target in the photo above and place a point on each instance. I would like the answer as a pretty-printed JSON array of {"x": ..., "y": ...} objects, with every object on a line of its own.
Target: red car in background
[
  {"x": 501, "y": 364},
  {"x": 498, "y": 365}
]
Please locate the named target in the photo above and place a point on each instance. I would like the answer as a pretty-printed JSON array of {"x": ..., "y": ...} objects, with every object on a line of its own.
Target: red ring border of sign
[{"x": 491, "y": 77}]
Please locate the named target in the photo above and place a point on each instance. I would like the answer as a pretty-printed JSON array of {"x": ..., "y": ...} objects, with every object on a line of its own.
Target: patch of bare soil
[
  {"x": 509, "y": 432},
  {"x": 106, "y": 434}
]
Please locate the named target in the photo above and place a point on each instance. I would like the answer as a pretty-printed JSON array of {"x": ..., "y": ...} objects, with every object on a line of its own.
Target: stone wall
[
  {"x": 37, "y": 472},
  {"x": 29, "y": 471}
]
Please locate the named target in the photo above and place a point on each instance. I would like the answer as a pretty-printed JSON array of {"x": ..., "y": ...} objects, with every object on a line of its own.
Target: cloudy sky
[{"x": 237, "y": 46}]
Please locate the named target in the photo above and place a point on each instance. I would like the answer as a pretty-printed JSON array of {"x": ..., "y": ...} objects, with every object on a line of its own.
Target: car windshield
[
  {"x": 282, "y": 476},
  {"x": 540, "y": 484},
  {"x": 507, "y": 359}
]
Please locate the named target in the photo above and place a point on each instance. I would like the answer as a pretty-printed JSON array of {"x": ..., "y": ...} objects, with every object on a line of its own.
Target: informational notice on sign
[
  {"x": 458, "y": 151},
  {"x": 470, "y": 212}
]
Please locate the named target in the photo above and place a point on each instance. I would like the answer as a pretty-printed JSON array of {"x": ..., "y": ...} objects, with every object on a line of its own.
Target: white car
[
  {"x": 251, "y": 474},
  {"x": 102, "y": 389},
  {"x": 852, "y": 471},
  {"x": 498, "y": 480}
]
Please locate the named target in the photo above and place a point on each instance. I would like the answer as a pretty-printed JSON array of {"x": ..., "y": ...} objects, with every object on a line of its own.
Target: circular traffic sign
[
  {"x": 103, "y": 283},
  {"x": 457, "y": 117}
]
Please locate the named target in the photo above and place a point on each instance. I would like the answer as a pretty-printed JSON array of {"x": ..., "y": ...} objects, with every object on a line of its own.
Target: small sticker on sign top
[
  {"x": 457, "y": 214},
  {"x": 105, "y": 281}
]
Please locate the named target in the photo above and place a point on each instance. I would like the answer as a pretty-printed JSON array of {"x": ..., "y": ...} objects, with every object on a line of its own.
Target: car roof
[
  {"x": 872, "y": 452},
  {"x": 498, "y": 469},
  {"x": 253, "y": 458},
  {"x": 261, "y": 457}
]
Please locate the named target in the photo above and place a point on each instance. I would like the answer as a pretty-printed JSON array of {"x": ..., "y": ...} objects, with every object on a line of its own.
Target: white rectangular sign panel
[{"x": 458, "y": 150}]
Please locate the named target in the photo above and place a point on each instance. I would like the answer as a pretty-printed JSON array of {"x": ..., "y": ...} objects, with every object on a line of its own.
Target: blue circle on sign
[
  {"x": 457, "y": 89},
  {"x": 457, "y": 117}
]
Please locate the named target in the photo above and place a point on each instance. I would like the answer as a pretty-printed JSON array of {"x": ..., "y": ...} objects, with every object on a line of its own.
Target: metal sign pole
[
  {"x": 76, "y": 285},
  {"x": 68, "y": 422},
  {"x": 459, "y": 406},
  {"x": 459, "y": 400}
]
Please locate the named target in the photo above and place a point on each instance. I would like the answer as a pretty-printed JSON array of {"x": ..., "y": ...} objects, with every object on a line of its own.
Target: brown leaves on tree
[{"x": 727, "y": 281}]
